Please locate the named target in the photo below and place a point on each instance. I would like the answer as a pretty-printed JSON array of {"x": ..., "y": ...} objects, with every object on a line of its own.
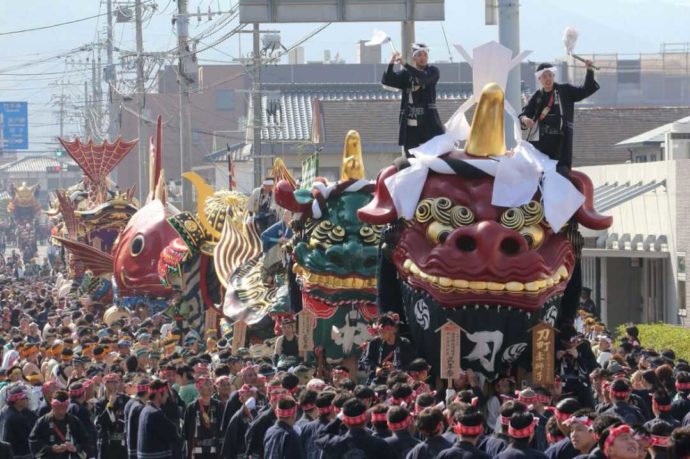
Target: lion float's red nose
[{"x": 487, "y": 237}]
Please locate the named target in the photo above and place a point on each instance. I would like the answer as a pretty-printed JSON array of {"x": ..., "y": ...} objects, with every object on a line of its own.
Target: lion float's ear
[
  {"x": 587, "y": 215},
  {"x": 381, "y": 209}
]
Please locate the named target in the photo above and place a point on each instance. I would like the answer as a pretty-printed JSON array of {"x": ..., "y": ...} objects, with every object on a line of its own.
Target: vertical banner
[
  {"x": 310, "y": 170},
  {"x": 543, "y": 354},
  {"x": 211, "y": 321},
  {"x": 450, "y": 350},
  {"x": 239, "y": 334},
  {"x": 231, "y": 173},
  {"x": 306, "y": 323}
]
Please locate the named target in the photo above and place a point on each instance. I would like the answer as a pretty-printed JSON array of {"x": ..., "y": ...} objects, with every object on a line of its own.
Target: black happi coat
[
  {"x": 44, "y": 436},
  {"x": 430, "y": 448},
  {"x": 282, "y": 441},
  {"x": 378, "y": 352},
  {"x": 157, "y": 436},
  {"x": 110, "y": 424},
  {"x": 630, "y": 414},
  {"x": 421, "y": 85},
  {"x": 233, "y": 443},
  {"x": 463, "y": 450},
  {"x": 15, "y": 427},
  {"x": 254, "y": 437},
  {"x": 81, "y": 411},
  {"x": 202, "y": 440},
  {"x": 310, "y": 432},
  {"x": 355, "y": 443},
  {"x": 563, "y": 449},
  {"x": 494, "y": 444},
  {"x": 401, "y": 442},
  {"x": 132, "y": 412},
  {"x": 519, "y": 452},
  {"x": 562, "y": 151}
]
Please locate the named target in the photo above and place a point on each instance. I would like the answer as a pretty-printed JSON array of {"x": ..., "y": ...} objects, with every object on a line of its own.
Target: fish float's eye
[{"x": 137, "y": 245}]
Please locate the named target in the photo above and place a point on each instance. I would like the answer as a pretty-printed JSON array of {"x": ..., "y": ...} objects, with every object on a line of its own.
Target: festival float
[
  {"x": 24, "y": 209},
  {"x": 482, "y": 236},
  {"x": 92, "y": 212}
]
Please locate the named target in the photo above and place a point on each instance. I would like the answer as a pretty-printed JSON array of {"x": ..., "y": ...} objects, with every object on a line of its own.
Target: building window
[
  {"x": 196, "y": 137},
  {"x": 225, "y": 100}
]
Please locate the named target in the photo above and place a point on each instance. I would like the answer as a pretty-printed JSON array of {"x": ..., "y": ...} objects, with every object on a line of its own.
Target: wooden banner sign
[
  {"x": 239, "y": 335},
  {"x": 211, "y": 321},
  {"x": 306, "y": 321},
  {"x": 543, "y": 354},
  {"x": 450, "y": 350}
]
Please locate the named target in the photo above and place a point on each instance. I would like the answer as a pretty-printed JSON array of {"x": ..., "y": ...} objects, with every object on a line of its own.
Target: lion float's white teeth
[{"x": 447, "y": 284}]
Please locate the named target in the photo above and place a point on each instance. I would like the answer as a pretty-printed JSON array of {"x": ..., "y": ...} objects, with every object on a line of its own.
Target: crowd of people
[{"x": 76, "y": 382}]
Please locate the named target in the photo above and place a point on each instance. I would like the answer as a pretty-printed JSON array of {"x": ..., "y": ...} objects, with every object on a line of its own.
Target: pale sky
[{"x": 605, "y": 26}]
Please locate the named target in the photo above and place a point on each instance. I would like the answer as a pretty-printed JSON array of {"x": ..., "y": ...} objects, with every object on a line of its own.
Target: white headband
[
  {"x": 553, "y": 70},
  {"x": 416, "y": 49}
]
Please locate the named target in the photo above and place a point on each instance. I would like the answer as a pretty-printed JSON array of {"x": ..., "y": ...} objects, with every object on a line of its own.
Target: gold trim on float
[{"x": 446, "y": 284}]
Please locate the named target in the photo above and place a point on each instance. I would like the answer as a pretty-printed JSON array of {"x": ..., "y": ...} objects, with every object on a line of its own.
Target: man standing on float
[
  {"x": 419, "y": 120},
  {"x": 548, "y": 116}
]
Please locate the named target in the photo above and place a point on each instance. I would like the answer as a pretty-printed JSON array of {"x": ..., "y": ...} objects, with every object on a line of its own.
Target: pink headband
[
  {"x": 326, "y": 410},
  {"x": 659, "y": 441},
  {"x": 286, "y": 413},
  {"x": 111, "y": 377},
  {"x": 561, "y": 416},
  {"x": 355, "y": 420},
  {"x": 682, "y": 385},
  {"x": 661, "y": 408},
  {"x": 379, "y": 417},
  {"x": 142, "y": 388},
  {"x": 55, "y": 402},
  {"x": 615, "y": 433},
  {"x": 525, "y": 432},
  {"x": 584, "y": 420},
  {"x": 468, "y": 431},
  {"x": 402, "y": 425},
  {"x": 18, "y": 396},
  {"x": 160, "y": 390}
]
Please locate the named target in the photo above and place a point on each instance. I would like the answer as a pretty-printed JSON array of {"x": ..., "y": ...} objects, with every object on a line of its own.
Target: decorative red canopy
[{"x": 97, "y": 161}]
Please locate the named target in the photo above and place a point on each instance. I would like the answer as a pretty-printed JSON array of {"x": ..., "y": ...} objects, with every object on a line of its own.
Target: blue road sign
[{"x": 14, "y": 122}]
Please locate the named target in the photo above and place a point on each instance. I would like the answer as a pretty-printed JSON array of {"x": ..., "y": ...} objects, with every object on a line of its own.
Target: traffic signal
[
  {"x": 54, "y": 169},
  {"x": 59, "y": 153}
]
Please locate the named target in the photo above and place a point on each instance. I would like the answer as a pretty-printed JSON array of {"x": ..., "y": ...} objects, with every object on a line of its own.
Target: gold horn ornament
[
  {"x": 486, "y": 137},
  {"x": 353, "y": 166},
  {"x": 203, "y": 191}
]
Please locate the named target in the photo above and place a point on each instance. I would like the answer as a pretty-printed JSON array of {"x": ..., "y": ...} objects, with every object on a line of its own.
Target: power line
[{"x": 60, "y": 24}]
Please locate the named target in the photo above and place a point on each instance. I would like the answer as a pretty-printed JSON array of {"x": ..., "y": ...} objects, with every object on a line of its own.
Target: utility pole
[
  {"x": 142, "y": 155},
  {"x": 185, "y": 58},
  {"x": 509, "y": 36},
  {"x": 87, "y": 128},
  {"x": 407, "y": 35},
  {"x": 256, "y": 106},
  {"x": 110, "y": 74}
]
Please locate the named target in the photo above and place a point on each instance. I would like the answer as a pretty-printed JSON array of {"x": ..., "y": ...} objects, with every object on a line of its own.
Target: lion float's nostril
[
  {"x": 466, "y": 243},
  {"x": 510, "y": 246}
]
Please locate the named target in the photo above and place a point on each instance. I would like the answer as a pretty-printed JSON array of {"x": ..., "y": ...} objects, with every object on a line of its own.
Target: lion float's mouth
[
  {"x": 337, "y": 290},
  {"x": 444, "y": 283},
  {"x": 528, "y": 296},
  {"x": 332, "y": 282}
]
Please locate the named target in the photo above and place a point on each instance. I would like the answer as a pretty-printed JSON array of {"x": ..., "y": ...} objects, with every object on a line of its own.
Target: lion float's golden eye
[
  {"x": 534, "y": 235},
  {"x": 437, "y": 233},
  {"x": 461, "y": 216},
  {"x": 513, "y": 218}
]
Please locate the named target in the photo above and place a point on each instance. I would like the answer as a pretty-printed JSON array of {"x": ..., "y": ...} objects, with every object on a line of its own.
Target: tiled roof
[
  {"x": 598, "y": 130},
  {"x": 34, "y": 164},
  {"x": 287, "y": 109},
  {"x": 654, "y": 136},
  {"x": 610, "y": 195},
  {"x": 375, "y": 120}
]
